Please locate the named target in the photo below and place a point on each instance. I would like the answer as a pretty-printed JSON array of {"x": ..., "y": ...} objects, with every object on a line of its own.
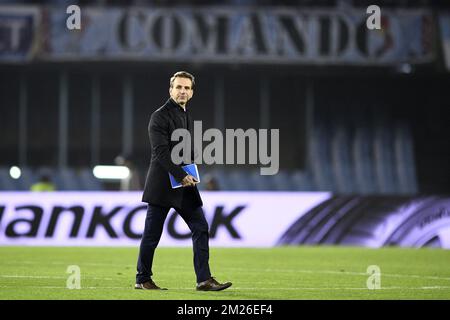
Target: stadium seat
[
  {"x": 258, "y": 182},
  {"x": 384, "y": 159},
  {"x": 68, "y": 179},
  {"x": 404, "y": 158},
  {"x": 6, "y": 182},
  {"x": 302, "y": 181},
  {"x": 364, "y": 167},
  {"x": 88, "y": 181},
  {"x": 282, "y": 181},
  {"x": 26, "y": 180},
  {"x": 239, "y": 180},
  {"x": 320, "y": 159},
  {"x": 342, "y": 160},
  {"x": 220, "y": 176}
]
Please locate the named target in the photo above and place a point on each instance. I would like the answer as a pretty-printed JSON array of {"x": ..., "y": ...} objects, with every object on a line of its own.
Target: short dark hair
[{"x": 182, "y": 74}]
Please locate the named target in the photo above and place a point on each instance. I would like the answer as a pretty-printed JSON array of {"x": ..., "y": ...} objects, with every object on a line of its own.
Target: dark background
[{"x": 345, "y": 97}]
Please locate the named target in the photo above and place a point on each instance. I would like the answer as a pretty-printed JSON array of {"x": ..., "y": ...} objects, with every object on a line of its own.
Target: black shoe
[
  {"x": 212, "y": 285},
  {"x": 149, "y": 285}
]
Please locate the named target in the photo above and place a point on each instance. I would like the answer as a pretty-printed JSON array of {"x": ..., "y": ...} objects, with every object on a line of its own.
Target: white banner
[
  {"x": 227, "y": 35},
  {"x": 236, "y": 219}
]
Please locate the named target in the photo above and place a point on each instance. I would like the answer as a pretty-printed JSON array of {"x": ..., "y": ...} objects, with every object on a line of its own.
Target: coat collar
[
  {"x": 174, "y": 113},
  {"x": 173, "y": 105}
]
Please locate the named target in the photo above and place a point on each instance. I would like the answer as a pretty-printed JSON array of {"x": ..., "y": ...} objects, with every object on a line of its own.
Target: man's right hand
[{"x": 189, "y": 181}]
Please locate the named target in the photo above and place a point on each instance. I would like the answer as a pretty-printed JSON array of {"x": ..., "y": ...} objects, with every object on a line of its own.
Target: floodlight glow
[
  {"x": 15, "y": 172},
  {"x": 111, "y": 172}
]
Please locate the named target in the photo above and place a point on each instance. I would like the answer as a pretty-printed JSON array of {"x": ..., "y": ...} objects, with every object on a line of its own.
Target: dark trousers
[{"x": 154, "y": 222}]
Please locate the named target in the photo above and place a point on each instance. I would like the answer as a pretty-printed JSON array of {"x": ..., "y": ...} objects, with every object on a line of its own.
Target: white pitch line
[
  {"x": 60, "y": 287},
  {"x": 50, "y": 277},
  {"x": 392, "y": 275},
  {"x": 65, "y": 263},
  {"x": 239, "y": 288},
  {"x": 348, "y": 288},
  {"x": 242, "y": 288},
  {"x": 338, "y": 272},
  {"x": 32, "y": 277}
]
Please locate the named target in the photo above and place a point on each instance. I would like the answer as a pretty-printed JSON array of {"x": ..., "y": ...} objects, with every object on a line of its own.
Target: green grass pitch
[{"x": 276, "y": 273}]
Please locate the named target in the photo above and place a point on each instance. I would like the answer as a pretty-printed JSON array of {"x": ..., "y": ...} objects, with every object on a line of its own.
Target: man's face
[{"x": 181, "y": 91}]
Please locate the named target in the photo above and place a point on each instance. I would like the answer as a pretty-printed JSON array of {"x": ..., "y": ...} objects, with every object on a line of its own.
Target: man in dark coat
[{"x": 160, "y": 195}]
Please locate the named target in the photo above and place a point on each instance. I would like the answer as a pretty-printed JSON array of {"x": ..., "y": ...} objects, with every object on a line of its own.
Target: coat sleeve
[{"x": 158, "y": 130}]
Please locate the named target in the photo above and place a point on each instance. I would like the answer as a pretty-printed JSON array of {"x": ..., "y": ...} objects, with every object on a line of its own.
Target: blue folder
[{"x": 190, "y": 169}]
